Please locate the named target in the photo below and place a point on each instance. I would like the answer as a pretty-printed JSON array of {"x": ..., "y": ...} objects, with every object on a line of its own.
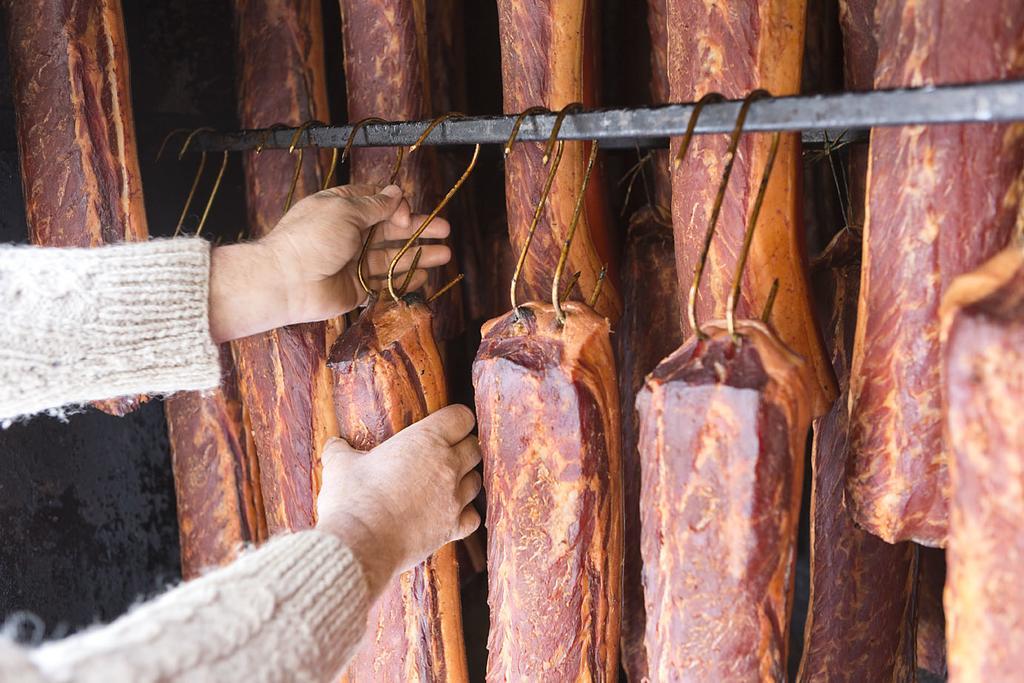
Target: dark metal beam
[{"x": 849, "y": 114}]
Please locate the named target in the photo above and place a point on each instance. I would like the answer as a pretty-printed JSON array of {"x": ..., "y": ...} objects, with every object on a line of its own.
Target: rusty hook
[{"x": 564, "y": 255}]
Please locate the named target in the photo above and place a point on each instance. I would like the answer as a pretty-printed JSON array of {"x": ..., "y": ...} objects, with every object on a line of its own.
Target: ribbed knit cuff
[
  {"x": 88, "y": 324},
  {"x": 317, "y": 580}
]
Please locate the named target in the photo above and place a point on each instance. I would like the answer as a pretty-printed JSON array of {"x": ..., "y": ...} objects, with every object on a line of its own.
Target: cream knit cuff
[{"x": 87, "y": 324}]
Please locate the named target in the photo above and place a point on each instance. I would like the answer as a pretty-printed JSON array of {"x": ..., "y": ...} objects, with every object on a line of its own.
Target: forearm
[
  {"x": 87, "y": 324},
  {"x": 293, "y": 610}
]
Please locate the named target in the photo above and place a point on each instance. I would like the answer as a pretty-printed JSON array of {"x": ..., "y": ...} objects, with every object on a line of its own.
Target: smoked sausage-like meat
[
  {"x": 282, "y": 376},
  {"x": 722, "y": 436},
  {"x": 936, "y": 208},
  {"x": 647, "y": 332},
  {"x": 859, "y": 617},
  {"x": 549, "y": 55},
  {"x": 548, "y": 416},
  {"x": 930, "y": 620},
  {"x": 388, "y": 75},
  {"x": 388, "y": 375},
  {"x": 76, "y": 135},
  {"x": 216, "y": 476},
  {"x": 734, "y": 48},
  {"x": 983, "y": 337}
]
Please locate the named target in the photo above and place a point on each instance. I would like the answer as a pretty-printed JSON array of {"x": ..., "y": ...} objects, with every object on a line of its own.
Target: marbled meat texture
[
  {"x": 216, "y": 476},
  {"x": 859, "y": 618},
  {"x": 388, "y": 76},
  {"x": 387, "y": 375},
  {"x": 937, "y": 207},
  {"x": 548, "y": 414},
  {"x": 647, "y": 332},
  {"x": 734, "y": 48},
  {"x": 282, "y": 375},
  {"x": 983, "y": 334},
  {"x": 722, "y": 437},
  {"x": 549, "y": 58},
  {"x": 76, "y": 134}
]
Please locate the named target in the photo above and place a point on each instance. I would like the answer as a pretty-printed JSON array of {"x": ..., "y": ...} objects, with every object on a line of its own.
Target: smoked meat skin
[
  {"x": 76, "y": 134},
  {"x": 734, "y": 48},
  {"x": 722, "y": 437},
  {"x": 549, "y": 52},
  {"x": 388, "y": 375},
  {"x": 216, "y": 476},
  {"x": 937, "y": 207},
  {"x": 282, "y": 375},
  {"x": 983, "y": 341},
  {"x": 647, "y": 332},
  {"x": 548, "y": 416}
]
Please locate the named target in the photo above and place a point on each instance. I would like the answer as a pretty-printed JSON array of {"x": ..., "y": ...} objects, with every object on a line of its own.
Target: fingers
[
  {"x": 404, "y": 223},
  {"x": 467, "y": 454},
  {"x": 369, "y": 209},
  {"x": 379, "y": 260},
  {"x": 469, "y": 521},
  {"x": 452, "y": 423},
  {"x": 336, "y": 448},
  {"x": 469, "y": 488}
]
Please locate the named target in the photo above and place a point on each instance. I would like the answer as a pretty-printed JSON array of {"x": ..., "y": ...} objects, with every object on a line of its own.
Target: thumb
[
  {"x": 372, "y": 209},
  {"x": 336, "y": 449}
]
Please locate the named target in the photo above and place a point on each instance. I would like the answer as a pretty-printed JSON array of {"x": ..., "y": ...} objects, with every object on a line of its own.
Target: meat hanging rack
[{"x": 820, "y": 118}]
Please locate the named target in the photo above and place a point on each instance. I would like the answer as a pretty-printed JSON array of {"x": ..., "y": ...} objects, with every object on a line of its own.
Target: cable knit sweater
[{"x": 87, "y": 324}]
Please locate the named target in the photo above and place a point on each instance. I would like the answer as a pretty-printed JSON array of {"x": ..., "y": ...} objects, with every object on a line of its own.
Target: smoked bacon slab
[
  {"x": 388, "y": 75},
  {"x": 548, "y": 415},
  {"x": 937, "y": 207},
  {"x": 216, "y": 476},
  {"x": 734, "y": 48},
  {"x": 859, "y": 623},
  {"x": 983, "y": 337},
  {"x": 549, "y": 58},
  {"x": 387, "y": 375},
  {"x": 76, "y": 134},
  {"x": 647, "y": 332},
  {"x": 282, "y": 375},
  {"x": 722, "y": 435}
]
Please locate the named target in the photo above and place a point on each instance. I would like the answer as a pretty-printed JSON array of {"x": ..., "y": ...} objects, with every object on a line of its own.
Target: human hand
[
  {"x": 305, "y": 269},
  {"x": 395, "y": 505}
]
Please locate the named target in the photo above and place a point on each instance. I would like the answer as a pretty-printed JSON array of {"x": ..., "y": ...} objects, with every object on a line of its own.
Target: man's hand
[
  {"x": 305, "y": 269},
  {"x": 395, "y": 505}
]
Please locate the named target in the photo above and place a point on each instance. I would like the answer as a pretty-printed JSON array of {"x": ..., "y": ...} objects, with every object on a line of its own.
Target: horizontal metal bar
[{"x": 850, "y": 113}]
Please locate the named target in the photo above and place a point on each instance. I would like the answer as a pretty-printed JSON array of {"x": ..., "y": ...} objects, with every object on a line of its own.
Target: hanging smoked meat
[
  {"x": 216, "y": 476},
  {"x": 282, "y": 375},
  {"x": 930, "y": 620},
  {"x": 388, "y": 76},
  {"x": 548, "y": 417},
  {"x": 722, "y": 434},
  {"x": 936, "y": 208},
  {"x": 76, "y": 135},
  {"x": 734, "y": 48},
  {"x": 387, "y": 375},
  {"x": 983, "y": 338},
  {"x": 549, "y": 58},
  {"x": 648, "y": 331},
  {"x": 859, "y": 617}
]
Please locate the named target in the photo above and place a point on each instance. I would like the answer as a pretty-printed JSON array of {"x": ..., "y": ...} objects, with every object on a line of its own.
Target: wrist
[
  {"x": 247, "y": 295},
  {"x": 373, "y": 555}
]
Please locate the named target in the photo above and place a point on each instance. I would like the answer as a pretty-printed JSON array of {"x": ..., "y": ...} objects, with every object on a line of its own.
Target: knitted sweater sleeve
[
  {"x": 294, "y": 610},
  {"x": 78, "y": 325}
]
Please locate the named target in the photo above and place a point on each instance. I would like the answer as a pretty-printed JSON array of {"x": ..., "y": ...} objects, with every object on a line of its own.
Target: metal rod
[{"x": 816, "y": 115}]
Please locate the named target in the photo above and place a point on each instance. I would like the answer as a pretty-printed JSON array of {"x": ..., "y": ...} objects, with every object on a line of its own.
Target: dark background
[{"x": 87, "y": 511}]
